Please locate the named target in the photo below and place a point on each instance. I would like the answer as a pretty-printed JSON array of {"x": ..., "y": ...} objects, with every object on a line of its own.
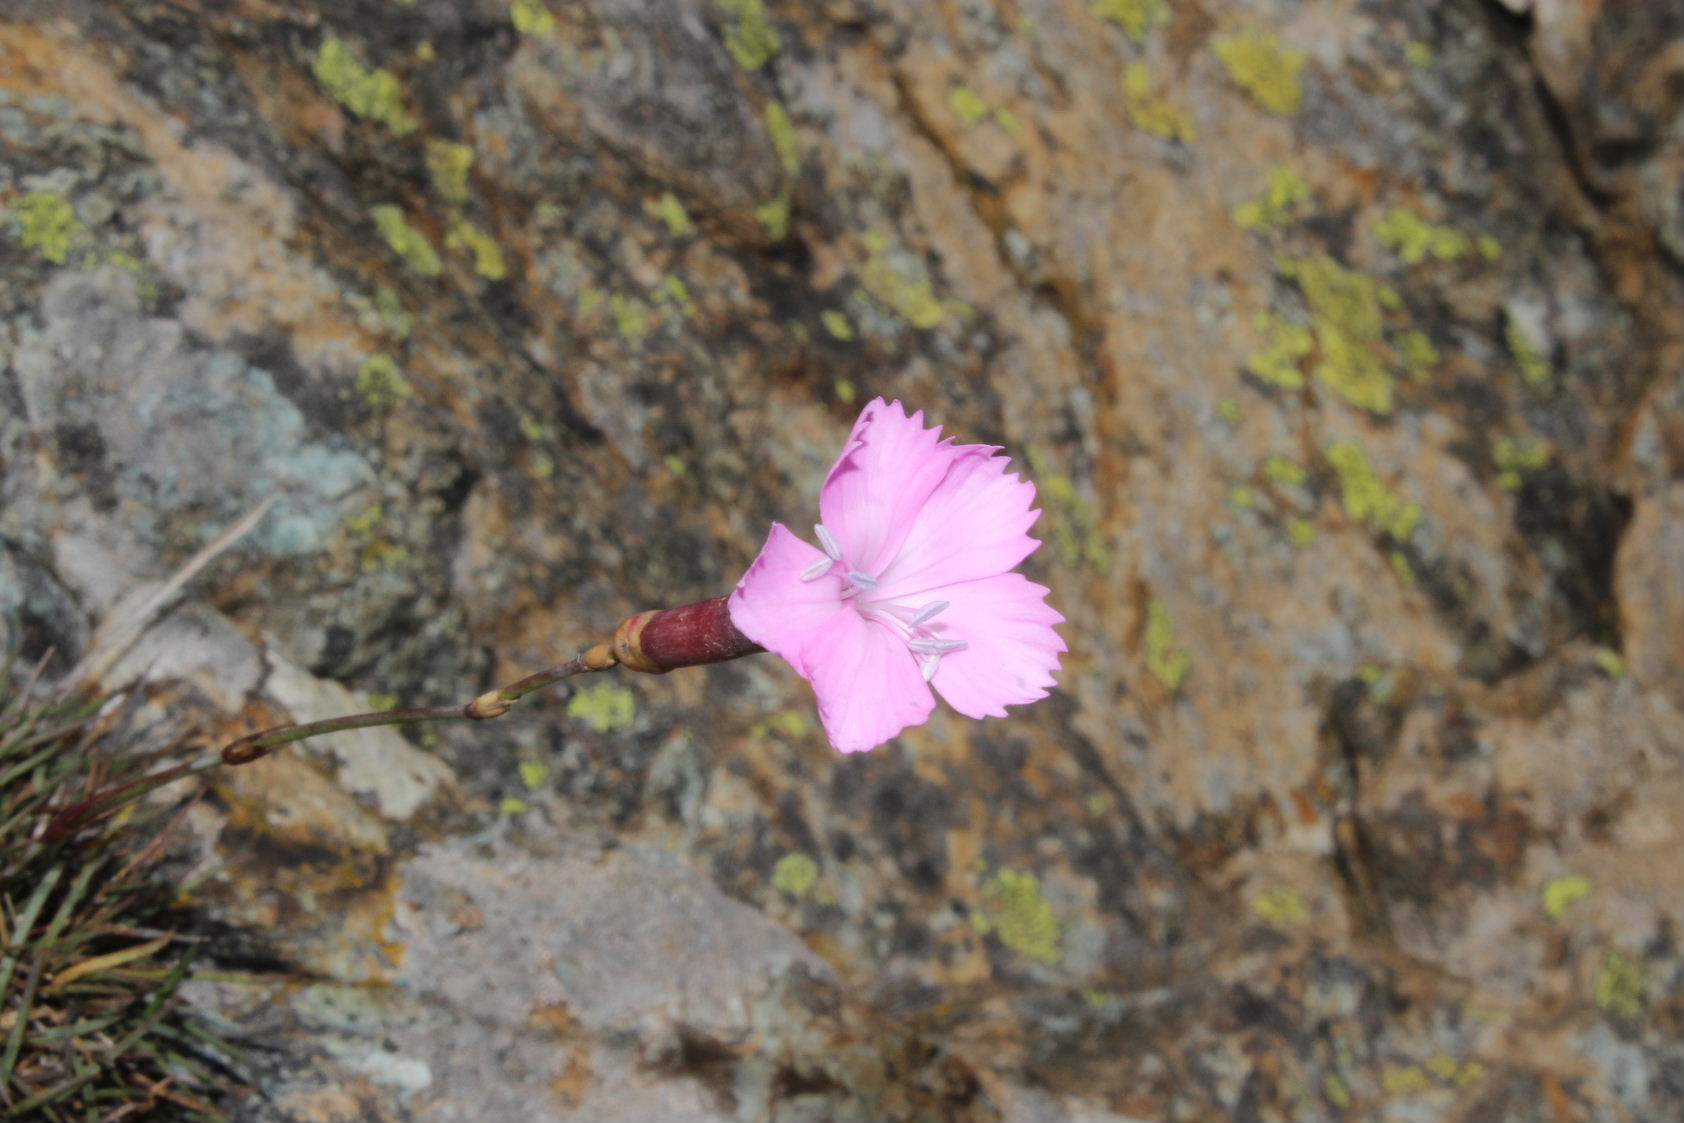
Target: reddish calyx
[{"x": 665, "y": 639}]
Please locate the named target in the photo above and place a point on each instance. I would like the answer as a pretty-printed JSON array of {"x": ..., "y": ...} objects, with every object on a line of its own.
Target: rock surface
[{"x": 1341, "y": 339}]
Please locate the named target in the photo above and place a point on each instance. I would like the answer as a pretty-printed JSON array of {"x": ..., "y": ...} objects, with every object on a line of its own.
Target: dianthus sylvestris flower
[{"x": 910, "y": 587}]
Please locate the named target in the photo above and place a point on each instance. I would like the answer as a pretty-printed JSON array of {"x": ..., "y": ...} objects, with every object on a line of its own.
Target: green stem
[{"x": 492, "y": 704}]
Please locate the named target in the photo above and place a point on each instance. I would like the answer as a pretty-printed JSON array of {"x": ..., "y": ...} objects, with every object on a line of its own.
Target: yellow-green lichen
[
  {"x": 380, "y": 382},
  {"x": 425, "y": 51},
  {"x": 1071, "y": 524},
  {"x": 751, "y": 40},
  {"x": 631, "y": 319},
  {"x": 374, "y": 95},
  {"x": 846, "y": 391},
  {"x": 672, "y": 290},
  {"x": 47, "y": 223},
  {"x": 1153, "y": 114},
  {"x": 1448, "y": 1070},
  {"x": 671, "y": 212},
  {"x": 1167, "y": 663},
  {"x": 1347, "y": 311},
  {"x": 792, "y": 725},
  {"x": 1135, "y": 17},
  {"x": 1404, "y": 1080},
  {"x": 374, "y": 553},
  {"x": 774, "y": 217},
  {"x": 1241, "y": 495},
  {"x": 1284, "y": 470},
  {"x": 1515, "y": 458},
  {"x": 782, "y": 131},
  {"x": 1301, "y": 532},
  {"x": 1013, "y": 906},
  {"x": 1228, "y": 411},
  {"x": 836, "y": 323},
  {"x": 1281, "y": 906},
  {"x": 1417, "y": 352},
  {"x": 1562, "y": 892},
  {"x": 1400, "y": 565},
  {"x": 364, "y": 521},
  {"x": 795, "y": 874},
  {"x": 1008, "y": 121},
  {"x": 533, "y": 773},
  {"x": 1619, "y": 985},
  {"x": 512, "y": 805},
  {"x": 1265, "y": 68},
  {"x": 531, "y": 17},
  {"x": 1418, "y": 53},
  {"x": 1610, "y": 662},
  {"x": 912, "y": 297},
  {"x": 590, "y": 299},
  {"x": 1414, "y": 239},
  {"x": 1534, "y": 368},
  {"x": 488, "y": 255},
  {"x": 1338, "y": 1094},
  {"x": 145, "y": 287},
  {"x": 967, "y": 104},
  {"x": 448, "y": 164},
  {"x": 1367, "y": 500},
  {"x": 393, "y": 315},
  {"x": 1281, "y": 201},
  {"x": 406, "y": 241},
  {"x": 1285, "y": 347},
  {"x": 379, "y": 702},
  {"x": 1489, "y": 248},
  {"x": 605, "y": 707}
]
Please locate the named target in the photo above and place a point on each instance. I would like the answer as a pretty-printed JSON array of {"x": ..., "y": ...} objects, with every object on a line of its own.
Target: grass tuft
[{"x": 91, "y": 953}]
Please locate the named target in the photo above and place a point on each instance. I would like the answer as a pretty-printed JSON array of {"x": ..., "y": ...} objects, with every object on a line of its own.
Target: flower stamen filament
[{"x": 828, "y": 541}]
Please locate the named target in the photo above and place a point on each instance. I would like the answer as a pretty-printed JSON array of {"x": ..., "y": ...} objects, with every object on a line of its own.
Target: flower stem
[{"x": 493, "y": 703}]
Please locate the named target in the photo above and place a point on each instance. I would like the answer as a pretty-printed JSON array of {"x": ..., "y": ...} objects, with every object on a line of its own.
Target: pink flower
[{"x": 912, "y": 587}]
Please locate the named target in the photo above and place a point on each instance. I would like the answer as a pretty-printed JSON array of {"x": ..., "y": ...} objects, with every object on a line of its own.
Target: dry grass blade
[
  {"x": 136, "y": 609},
  {"x": 109, "y": 960}
]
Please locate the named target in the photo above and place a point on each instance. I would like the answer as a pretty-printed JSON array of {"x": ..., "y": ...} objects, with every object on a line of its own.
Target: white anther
[
  {"x": 936, "y": 646},
  {"x": 927, "y": 612},
  {"x": 817, "y": 570},
  {"x": 828, "y": 541},
  {"x": 862, "y": 580},
  {"x": 929, "y": 665}
]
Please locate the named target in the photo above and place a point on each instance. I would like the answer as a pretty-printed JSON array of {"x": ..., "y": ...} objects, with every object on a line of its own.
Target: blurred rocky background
[{"x": 1342, "y": 340}]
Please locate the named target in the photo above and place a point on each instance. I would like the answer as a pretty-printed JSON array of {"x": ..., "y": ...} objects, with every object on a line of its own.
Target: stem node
[{"x": 488, "y": 705}]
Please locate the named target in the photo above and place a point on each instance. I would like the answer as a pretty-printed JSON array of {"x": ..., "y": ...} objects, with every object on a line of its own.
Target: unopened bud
[{"x": 668, "y": 638}]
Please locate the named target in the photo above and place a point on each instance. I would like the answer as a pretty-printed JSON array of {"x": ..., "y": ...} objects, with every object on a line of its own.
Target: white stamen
[
  {"x": 929, "y": 665},
  {"x": 926, "y": 613},
  {"x": 817, "y": 570},
  {"x": 828, "y": 541},
  {"x": 862, "y": 580},
  {"x": 936, "y": 646}
]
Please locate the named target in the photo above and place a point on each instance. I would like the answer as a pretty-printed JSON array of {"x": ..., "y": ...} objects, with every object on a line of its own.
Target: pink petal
[
  {"x": 1012, "y": 650},
  {"x": 878, "y": 485},
  {"x": 868, "y": 684},
  {"x": 775, "y": 608},
  {"x": 972, "y": 526}
]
